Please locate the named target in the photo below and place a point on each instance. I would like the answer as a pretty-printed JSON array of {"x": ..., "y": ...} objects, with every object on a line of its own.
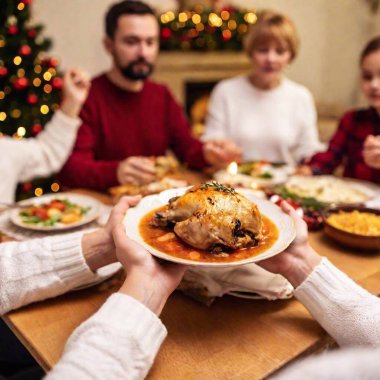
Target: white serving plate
[{"x": 283, "y": 222}]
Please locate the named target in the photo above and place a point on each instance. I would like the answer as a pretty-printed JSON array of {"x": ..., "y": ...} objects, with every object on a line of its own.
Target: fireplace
[
  {"x": 191, "y": 77},
  {"x": 197, "y": 96}
]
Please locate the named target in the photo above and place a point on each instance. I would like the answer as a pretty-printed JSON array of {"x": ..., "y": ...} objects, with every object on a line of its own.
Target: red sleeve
[
  {"x": 82, "y": 169},
  {"x": 327, "y": 162},
  {"x": 186, "y": 147}
]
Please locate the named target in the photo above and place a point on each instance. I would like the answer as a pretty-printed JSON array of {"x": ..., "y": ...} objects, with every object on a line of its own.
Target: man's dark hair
[{"x": 126, "y": 7}]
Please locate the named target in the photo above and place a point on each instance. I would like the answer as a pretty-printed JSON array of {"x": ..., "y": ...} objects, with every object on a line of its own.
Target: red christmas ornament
[
  {"x": 21, "y": 83},
  {"x": 12, "y": 30},
  {"x": 25, "y": 50},
  {"x": 3, "y": 71},
  {"x": 32, "y": 99},
  {"x": 31, "y": 33},
  {"x": 36, "y": 129},
  {"x": 57, "y": 83},
  {"x": 166, "y": 33},
  {"x": 54, "y": 62},
  {"x": 26, "y": 187},
  {"x": 27, "y": 2},
  {"x": 50, "y": 62},
  {"x": 229, "y": 9}
]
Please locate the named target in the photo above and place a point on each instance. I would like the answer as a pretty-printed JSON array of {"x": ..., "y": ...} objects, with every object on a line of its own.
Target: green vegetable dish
[{"x": 55, "y": 212}]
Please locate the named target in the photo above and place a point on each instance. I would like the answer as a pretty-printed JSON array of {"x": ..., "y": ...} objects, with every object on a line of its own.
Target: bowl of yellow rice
[{"x": 355, "y": 227}]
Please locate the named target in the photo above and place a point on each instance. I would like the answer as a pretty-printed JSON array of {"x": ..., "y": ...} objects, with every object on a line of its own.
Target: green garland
[{"x": 205, "y": 29}]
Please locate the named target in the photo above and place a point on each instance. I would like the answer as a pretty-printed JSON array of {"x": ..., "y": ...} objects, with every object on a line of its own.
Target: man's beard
[{"x": 131, "y": 72}]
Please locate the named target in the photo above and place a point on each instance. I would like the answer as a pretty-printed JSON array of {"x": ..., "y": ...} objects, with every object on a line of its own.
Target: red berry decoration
[
  {"x": 32, "y": 33},
  {"x": 36, "y": 129},
  {"x": 32, "y": 99},
  {"x": 12, "y": 30},
  {"x": 3, "y": 71},
  {"x": 25, "y": 50},
  {"x": 51, "y": 62},
  {"x": 21, "y": 83},
  {"x": 26, "y": 187},
  {"x": 166, "y": 33},
  {"x": 57, "y": 83}
]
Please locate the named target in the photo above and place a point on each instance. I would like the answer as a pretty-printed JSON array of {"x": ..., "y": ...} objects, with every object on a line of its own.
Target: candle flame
[{"x": 232, "y": 168}]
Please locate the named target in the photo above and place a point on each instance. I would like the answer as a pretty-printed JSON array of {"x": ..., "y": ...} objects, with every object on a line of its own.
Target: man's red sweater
[{"x": 118, "y": 124}]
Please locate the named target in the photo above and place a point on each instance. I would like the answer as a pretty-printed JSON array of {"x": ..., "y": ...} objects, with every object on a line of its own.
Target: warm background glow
[{"x": 324, "y": 25}]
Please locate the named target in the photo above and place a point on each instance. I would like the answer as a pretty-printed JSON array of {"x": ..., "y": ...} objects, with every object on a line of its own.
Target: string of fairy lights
[
  {"x": 205, "y": 29},
  {"x": 30, "y": 84}
]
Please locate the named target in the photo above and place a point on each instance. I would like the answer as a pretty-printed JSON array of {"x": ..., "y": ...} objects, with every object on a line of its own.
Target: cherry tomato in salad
[
  {"x": 58, "y": 205},
  {"x": 41, "y": 213}
]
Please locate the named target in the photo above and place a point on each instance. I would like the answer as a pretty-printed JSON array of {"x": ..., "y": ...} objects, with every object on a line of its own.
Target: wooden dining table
[{"x": 231, "y": 339}]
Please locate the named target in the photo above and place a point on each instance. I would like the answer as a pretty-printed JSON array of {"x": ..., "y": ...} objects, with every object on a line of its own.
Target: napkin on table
[{"x": 204, "y": 284}]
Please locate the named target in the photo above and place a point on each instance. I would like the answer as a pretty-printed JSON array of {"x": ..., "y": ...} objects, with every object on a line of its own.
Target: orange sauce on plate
[{"x": 165, "y": 240}]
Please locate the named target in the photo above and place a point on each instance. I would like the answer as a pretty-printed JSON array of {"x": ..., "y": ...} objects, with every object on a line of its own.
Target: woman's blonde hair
[{"x": 271, "y": 26}]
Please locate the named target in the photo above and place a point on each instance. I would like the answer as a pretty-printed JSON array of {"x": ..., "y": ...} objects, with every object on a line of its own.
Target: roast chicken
[{"x": 213, "y": 217}]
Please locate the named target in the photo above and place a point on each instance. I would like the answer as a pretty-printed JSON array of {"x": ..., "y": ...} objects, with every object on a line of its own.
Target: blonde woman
[{"x": 269, "y": 116}]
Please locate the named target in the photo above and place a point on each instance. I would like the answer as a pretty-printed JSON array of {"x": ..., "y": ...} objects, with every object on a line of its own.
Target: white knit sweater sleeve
[
  {"x": 217, "y": 114},
  {"x": 41, "y": 268},
  {"x": 345, "y": 310},
  {"x": 47, "y": 153},
  {"x": 120, "y": 341},
  {"x": 347, "y": 364}
]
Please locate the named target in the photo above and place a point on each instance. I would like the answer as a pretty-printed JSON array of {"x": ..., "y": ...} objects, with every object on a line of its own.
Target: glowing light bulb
[
  {"x": 21, "y": 131},
  {"x": 182, "y": 17},
  {"x": 232, "y": 168},
  {"x": 38, "y": 192},
  {"x": 17, "y": 60},
  {"x": 37, "y": 69},
  {"x": 225, "y": 15},
  {"x": 37, "y": 82},
  {"x": 250, "y": 17},
  {"x": 44, "y": 109},
  {"x": 196, "y": 19},
  {"x": 47, "y": 76}
]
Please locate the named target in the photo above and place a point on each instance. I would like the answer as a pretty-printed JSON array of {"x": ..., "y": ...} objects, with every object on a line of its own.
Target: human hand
[
  {"x": 148, "y": 280},
  {"x": 76, "y": 84},
  {"x": 221, "y": 152},
  {"x": 98, "y": 246},
  {"x": 299, "y": 259},
  {"x": 303, "y": 170},
  {"x": 136, "y": 170},
  {"x": 371, "y": 151}
]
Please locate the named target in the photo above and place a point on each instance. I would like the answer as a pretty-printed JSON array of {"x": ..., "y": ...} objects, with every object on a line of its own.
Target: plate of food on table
[
  {"x": 55, "y": 212},
  {"x": 313, "y": 196},
  {"x": 209, "y": 225},
  {"x": 332, "y": 190},
  {"x": 254, "y": 174},
  {"x": 165, "y": 166}
]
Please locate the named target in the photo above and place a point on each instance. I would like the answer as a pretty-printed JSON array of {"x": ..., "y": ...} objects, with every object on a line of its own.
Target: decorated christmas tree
[{"x": 30, "y": 85}]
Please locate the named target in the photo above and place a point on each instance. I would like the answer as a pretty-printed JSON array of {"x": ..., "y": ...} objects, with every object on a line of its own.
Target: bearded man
[{"x": 128, "y": 118}]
